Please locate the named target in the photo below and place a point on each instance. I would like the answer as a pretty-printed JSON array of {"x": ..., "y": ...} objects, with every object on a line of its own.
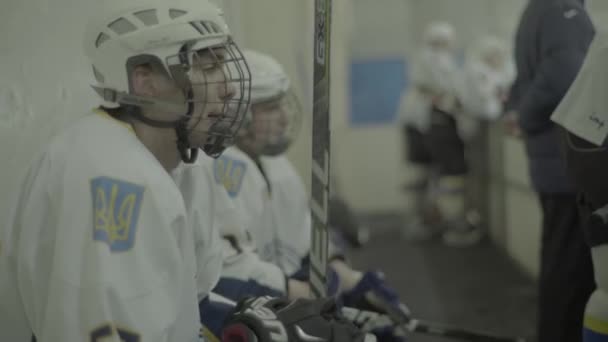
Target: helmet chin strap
[
  {"x": 187, "y": 153},
  {"x": 215, "y": 146}
]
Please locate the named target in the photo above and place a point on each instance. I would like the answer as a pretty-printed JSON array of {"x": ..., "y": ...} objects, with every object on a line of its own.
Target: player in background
[
  {"x": 269, "y": 254},
  {"x": 100, "y": 244},
  {"x": 207, "y": 207},
  {"x": 486, "y": 78},
  {"x": 434, "y": 76},
  {"x": 488, "y": 74}
]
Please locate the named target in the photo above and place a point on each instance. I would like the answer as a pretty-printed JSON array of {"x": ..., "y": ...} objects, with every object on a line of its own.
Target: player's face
[
  {"x": 211, "y": 90},
  {"x": 151, "y": 83},
  {"x": 270, "y": 120},
  {"x": 274, "y": 125},
  {"x": 441, "y": 45},
  {"x": 494, "y": 59}
]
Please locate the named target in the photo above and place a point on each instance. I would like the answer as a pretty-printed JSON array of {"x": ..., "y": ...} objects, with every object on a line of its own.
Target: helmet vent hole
[
  {"x": 197, "y": 26},
  {"x": 122, "y": 26},
  {"x": 207, "y": 27},
  {"x": 148, "y": 17},
  {"x": 200, "y": 27},
  {"x": 175, "y": 13},
  {"x": 102, "y": 38},
  {"x": 215, "y": 28}
]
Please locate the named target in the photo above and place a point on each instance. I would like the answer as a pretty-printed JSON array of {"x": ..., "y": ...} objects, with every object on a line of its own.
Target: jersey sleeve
[
  {"x": 215, "y": 310},
  {"x": 209, "y": 252},
  {"x": 243, "y": 271},
  {"x": 481, "y": 95},
  {"x": 129, "y": 283},
  {"x": 245, "y": 274}
]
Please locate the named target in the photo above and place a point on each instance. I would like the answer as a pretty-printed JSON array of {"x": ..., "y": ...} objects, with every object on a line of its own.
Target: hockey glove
[
  {"x": 267, "y": 319},
  {"x": 378, "y": 324},
  {"x": 372, "y": 293}
]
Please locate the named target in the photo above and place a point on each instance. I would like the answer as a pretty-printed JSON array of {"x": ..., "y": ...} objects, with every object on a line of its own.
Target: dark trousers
[
  {"x": 566, "y": 271},
  {"x": 441, "y": 147}
]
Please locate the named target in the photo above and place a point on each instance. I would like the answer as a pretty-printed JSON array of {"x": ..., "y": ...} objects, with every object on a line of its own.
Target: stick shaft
[{"x": 320, "y": 149}]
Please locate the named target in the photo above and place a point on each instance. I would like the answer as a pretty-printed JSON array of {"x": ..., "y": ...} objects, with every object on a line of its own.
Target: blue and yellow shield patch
[
  {"x": 116, "y": 206},
  {"x": 229, "y": 172}
]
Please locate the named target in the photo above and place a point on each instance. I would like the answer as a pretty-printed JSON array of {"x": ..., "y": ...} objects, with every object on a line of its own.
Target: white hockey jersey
[
  {"x": 99, "y": 247},
  {"x": 433, "y": 72},
  {"x": 483, "y": 88},
  {"x": 284, "y": 231},
  {"x": 243, "y": 271},
  {"x": 275, "y": 206},
  {"x": 203, "y": 200}
]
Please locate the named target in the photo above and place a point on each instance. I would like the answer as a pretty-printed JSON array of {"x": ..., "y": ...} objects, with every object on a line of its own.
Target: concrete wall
[{"x": 44, "y": 81}]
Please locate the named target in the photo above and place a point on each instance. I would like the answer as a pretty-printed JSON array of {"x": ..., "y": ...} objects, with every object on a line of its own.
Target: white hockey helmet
[
  {"x": 491, "y": 51},
  {"x": 170, "y": 36},
  {"x": 274, "y": 117},
  {"x": 439, "y": 34}
]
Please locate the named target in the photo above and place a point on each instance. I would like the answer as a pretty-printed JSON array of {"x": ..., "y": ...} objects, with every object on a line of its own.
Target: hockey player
[
  {"x": 208, "y": 208},
  {"x": 100, "y": 244},
  {"x": 488, "y": 74},
  {"x": 433, "y": 79},
  {"x": 582, "y": 113},
  {"x": 270, "y": 255}
]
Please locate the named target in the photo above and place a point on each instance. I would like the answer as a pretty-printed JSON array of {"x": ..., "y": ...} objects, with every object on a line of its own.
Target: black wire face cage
[
  {"x": 217, "y": 84},
  {"x": 275, "y": 123}
]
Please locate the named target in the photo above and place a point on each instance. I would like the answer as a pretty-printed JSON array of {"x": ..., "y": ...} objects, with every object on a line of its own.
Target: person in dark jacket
[
  {"x": 582, "y": 116},
  {"x": 550, "y": 47}
]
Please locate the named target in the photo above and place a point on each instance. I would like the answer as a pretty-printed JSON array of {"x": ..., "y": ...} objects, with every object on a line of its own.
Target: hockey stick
[
  {"x": 430, "y": 328},
  {"x": 320, "y": 150},
  {"x": 368, "y": 320},
  {"x": 425, "y": 327}
]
